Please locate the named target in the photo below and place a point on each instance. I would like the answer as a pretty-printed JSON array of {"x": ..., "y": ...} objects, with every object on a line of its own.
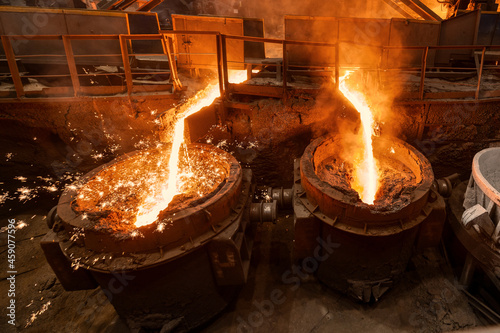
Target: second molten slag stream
[
  {"x": 365, "y": 180},
  {"x": 155, "y": 203}
]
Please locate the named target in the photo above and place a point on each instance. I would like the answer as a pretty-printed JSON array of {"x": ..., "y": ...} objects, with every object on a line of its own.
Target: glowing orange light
[
  {"x": 156, "y": 202},
  {"x": 365, "y": 180}
]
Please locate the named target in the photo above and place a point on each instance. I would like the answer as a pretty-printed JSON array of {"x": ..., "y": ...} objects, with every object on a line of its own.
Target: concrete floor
[{"x": 425, "y": 300}]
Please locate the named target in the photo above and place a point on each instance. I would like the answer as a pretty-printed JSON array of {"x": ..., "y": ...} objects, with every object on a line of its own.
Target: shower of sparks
[
  {"x": 162, "y": 188},
  {"x": 4, "y": 197},
  {"x": 26, "y": 194},
  {"x": 126, "y": 185},
  {"x": 155, "y": 203},
  {"x": 33, "y": 188}
]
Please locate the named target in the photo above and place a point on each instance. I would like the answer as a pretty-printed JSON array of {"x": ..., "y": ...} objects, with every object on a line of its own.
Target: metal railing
[
  {"x": 71, "y": 59},
  {"x": 424, "y": 68},
  {"x": 221, "y": 64},
  {"x": 285, "y": 65}
]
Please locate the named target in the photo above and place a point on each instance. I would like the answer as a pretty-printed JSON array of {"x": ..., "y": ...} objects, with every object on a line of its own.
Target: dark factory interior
[{"x": 250, "y": 166}]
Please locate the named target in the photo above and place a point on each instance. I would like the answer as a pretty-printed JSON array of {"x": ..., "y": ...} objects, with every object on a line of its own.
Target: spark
[
  {"x": 155, "y": 203},
  {"x": 25, "y": 194},
  {"x": 34, "y": 315},
  {"x": 4, "y": 197},
  {"x": 51, "y": 188},
  {"x": 160, "y": 227}
]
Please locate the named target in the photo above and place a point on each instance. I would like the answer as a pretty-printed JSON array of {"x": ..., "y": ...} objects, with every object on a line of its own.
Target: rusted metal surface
[
  {"x": 121, "y": 5},
  {"x": 313, "y": 29},
  {"x": 231, "y": 250},
  {"x": 70, "y": 58},
  {"x": 411, "y": 33},
  {"x": 480, "y": 74},
  {"x": 200, "y": 51},
  {"x": 431, "y": 229},
  {"x": 394, "y": 32},
  {"x": 168, "y": 45},
  {"x": 459, "y": 30},
  {"x": 306, "y": 226},
  {"x": 149, "y": 5},
  {"x": 126, "y": 64},
  {"x": 360, "y": 265},
  {"x": 48, "y": 21},
  {"x": 199, "y": 124},
  {"x": 479, "y": 250},
  {"x": 70, "y": 278},
  {"x": 177, "y": 296},
  {"x": 422, "y": 72}
]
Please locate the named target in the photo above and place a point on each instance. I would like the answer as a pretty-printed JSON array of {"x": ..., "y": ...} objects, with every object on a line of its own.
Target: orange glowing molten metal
[
  {"x": 366, "y": 175},
  {"x": 156, "y": 202}
]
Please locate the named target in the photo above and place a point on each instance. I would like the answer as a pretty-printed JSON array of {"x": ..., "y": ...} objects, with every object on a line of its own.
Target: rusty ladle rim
[
  {"x": 359, "y": 218},
  {"x": 189, "y": 228}
]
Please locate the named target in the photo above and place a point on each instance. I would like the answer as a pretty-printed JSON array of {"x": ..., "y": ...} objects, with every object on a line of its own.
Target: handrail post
[
  {"x": 337, "y": 66},
  {"x": 285, "y": 67},
  {"x": 70, "y": 58},
  {"x": 171, "y": 63},
  {"x": 14, "y": 71},
  {"x": 224, "y": 66},
  {"x": 480, "y": 74},
  {"x": 422, "y": 74},
  {"x": 220, "y": 64},
  {"x": 126, "y": 64}
]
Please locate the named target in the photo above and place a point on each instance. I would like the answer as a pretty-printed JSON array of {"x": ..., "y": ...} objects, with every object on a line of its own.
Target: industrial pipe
[
  {"x": 263, "y": 211},
  {"x": 444, "y": 186},
  {"x": 283, "y": 196}
]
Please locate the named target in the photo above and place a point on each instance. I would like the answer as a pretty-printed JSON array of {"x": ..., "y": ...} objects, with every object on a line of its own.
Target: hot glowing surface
[
  {"x": 156, "y": 202},
  {"x": 365, "y": 179},
  {"x": 112, "y": 197}
]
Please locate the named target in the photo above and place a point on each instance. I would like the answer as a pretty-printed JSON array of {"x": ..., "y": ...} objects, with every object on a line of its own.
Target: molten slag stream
[
  {"x": 155, "y": 203},
  {"x": 365, "y": 180}
]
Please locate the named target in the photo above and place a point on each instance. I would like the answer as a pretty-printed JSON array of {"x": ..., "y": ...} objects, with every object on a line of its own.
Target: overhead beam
[
  {"x": 398, "y": 8},
  {"x": 121, "y": 5},
  {"x": 148, "y": 6},
  {"x": 422, "y": 10}
]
